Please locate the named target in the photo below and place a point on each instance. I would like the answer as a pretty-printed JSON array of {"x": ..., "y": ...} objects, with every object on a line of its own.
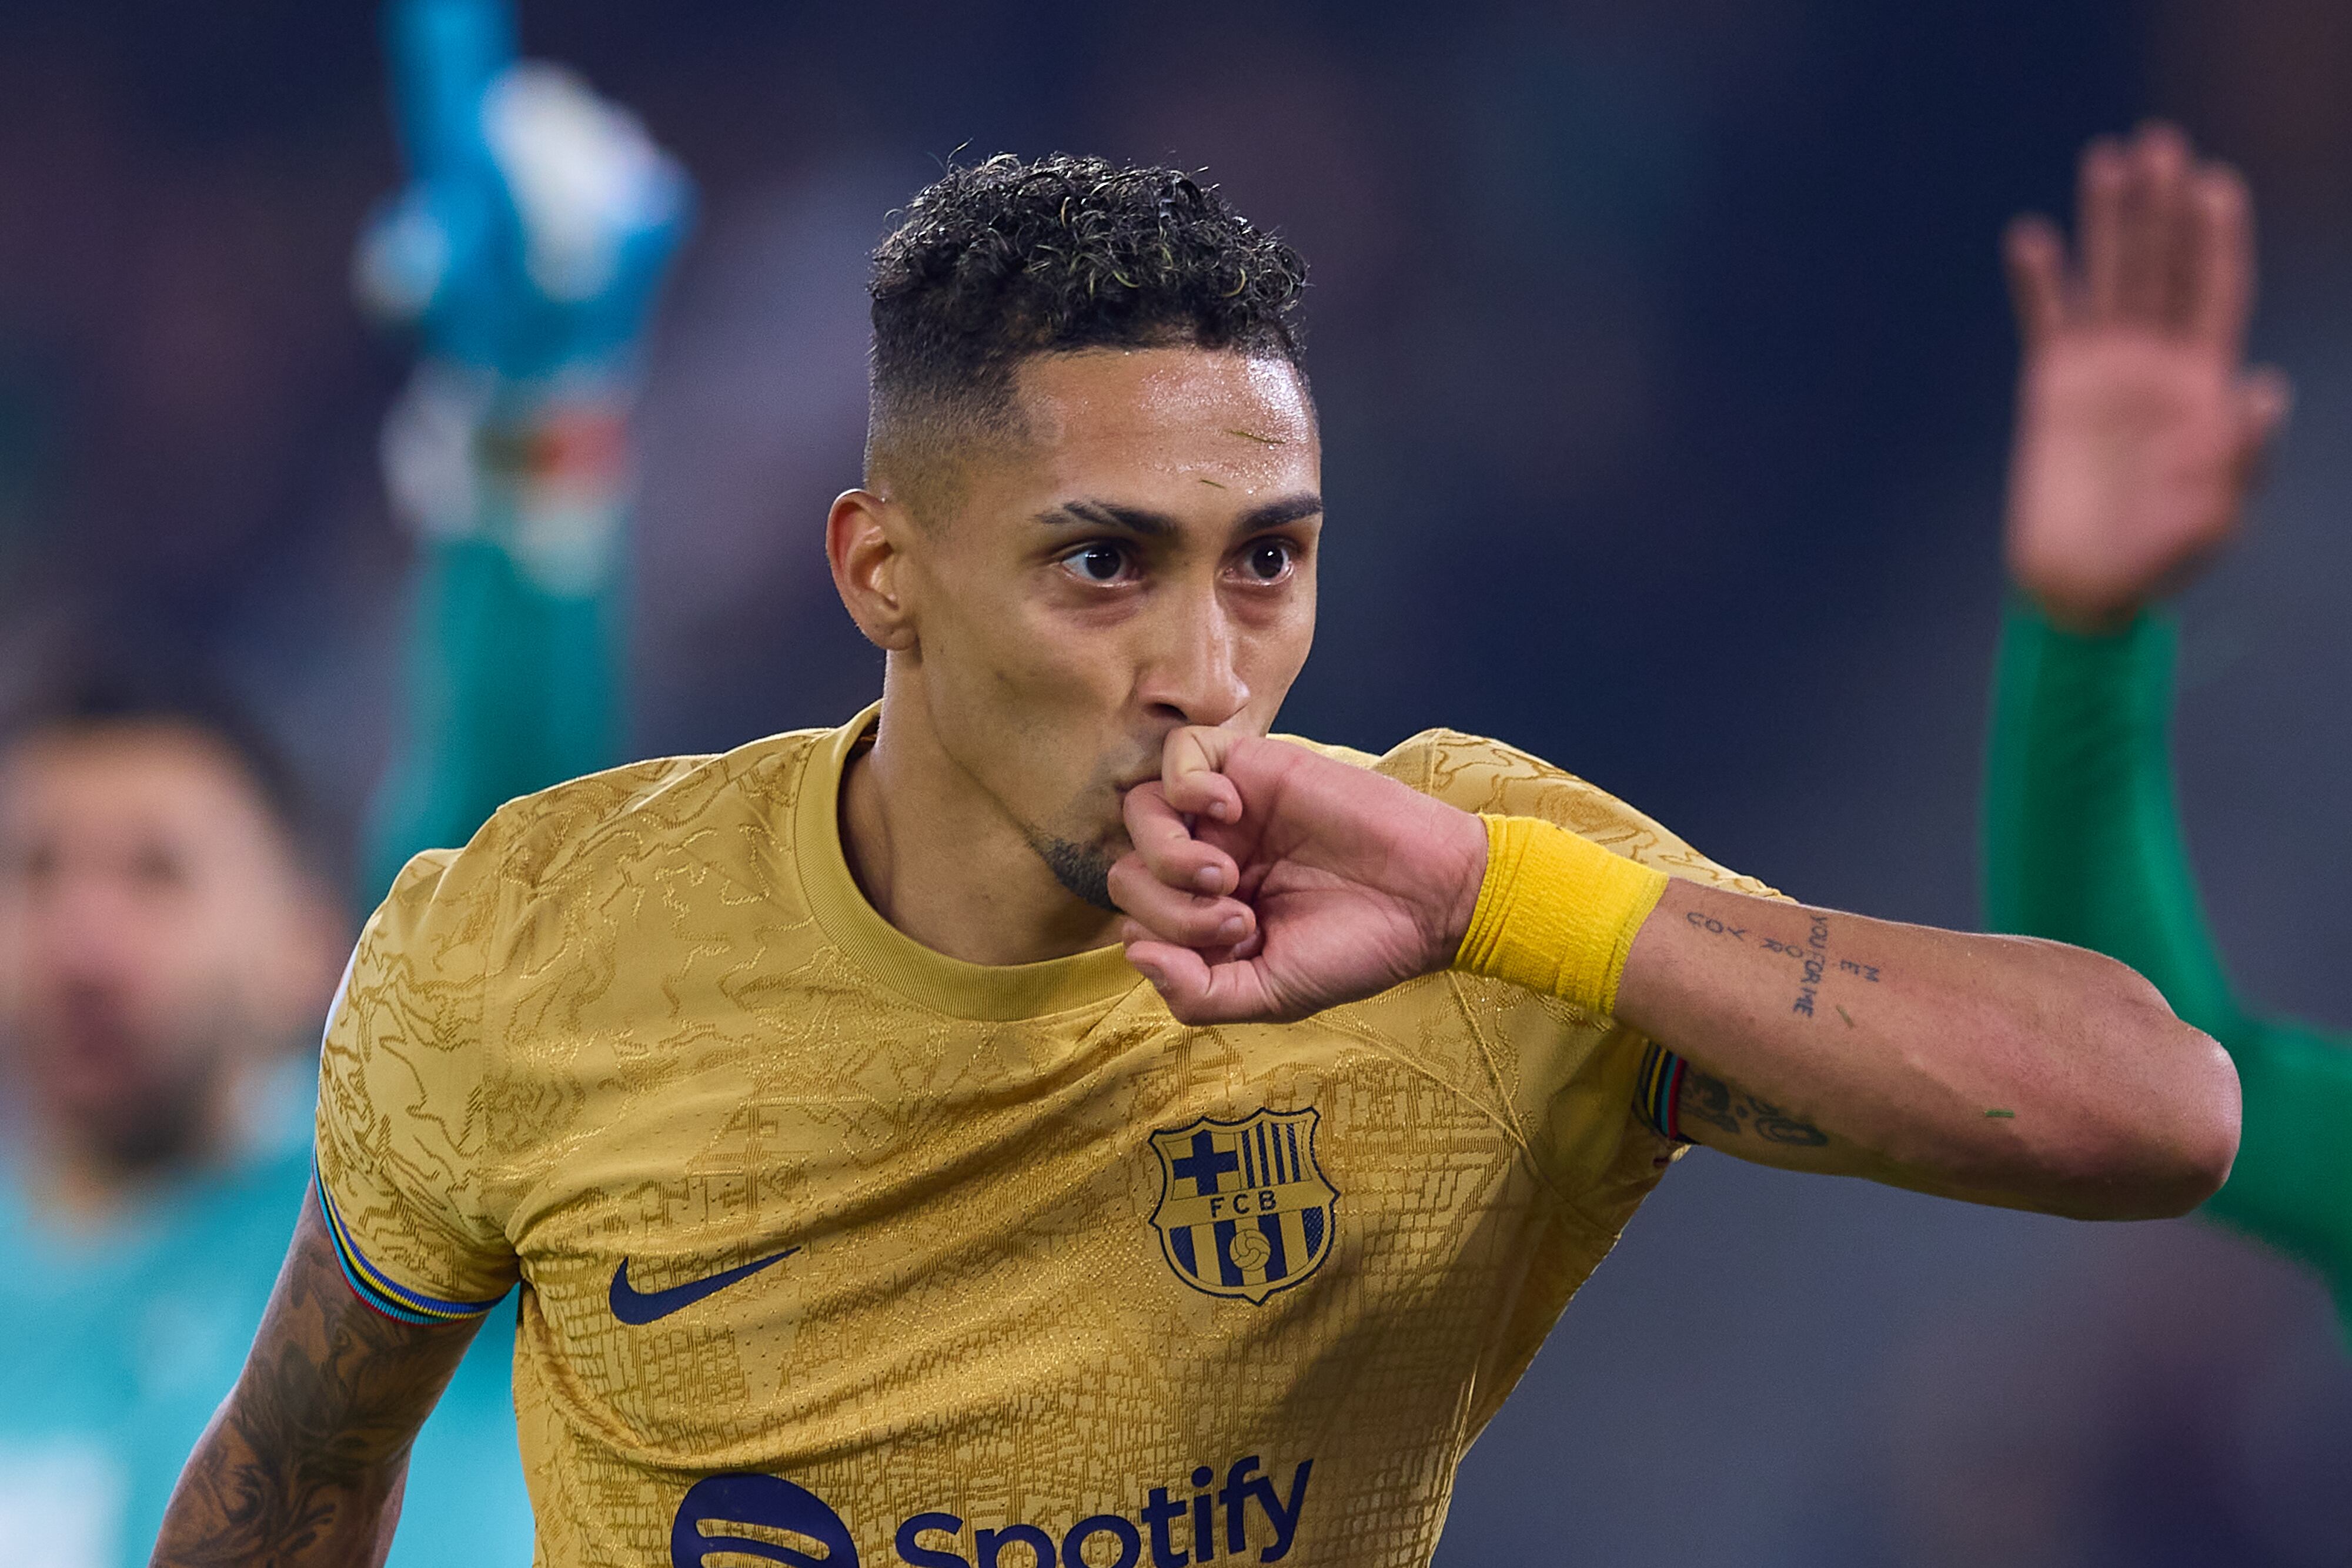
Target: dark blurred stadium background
[{"x": 1664, "y": 372}]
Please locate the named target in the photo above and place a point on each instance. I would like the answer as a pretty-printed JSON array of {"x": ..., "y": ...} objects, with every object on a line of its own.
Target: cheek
[
  {"x": 1273, "y": 649},
  {"x": 1030, "y": 708},
  {"x": 184, "y": 948},
  {"x": 1020, "y": 666},
  {"x": 12, "y": 958}
]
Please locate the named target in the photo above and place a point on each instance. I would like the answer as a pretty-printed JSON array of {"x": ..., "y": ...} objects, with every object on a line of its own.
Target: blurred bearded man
[{"x": 167, "y": 948}]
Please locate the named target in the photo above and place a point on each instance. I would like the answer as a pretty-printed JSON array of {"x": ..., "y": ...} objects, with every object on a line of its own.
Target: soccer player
[
  {"x": 2140, "y": 432},
  {"x": 871, "y": 1207}
]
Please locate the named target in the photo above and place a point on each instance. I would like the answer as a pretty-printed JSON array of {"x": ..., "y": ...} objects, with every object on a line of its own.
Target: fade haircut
[{"x": 1009, "y": 259}]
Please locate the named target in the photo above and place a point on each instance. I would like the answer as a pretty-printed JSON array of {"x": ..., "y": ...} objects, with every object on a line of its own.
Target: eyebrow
[
  {"x": 1108, "y": 515},
  {"x": 1143, "y": 521}
]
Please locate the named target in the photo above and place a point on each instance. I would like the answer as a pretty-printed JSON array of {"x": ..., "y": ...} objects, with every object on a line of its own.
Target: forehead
[
  {"x": 138, "y": 776},
  {"x": 1182, "y": 414}
]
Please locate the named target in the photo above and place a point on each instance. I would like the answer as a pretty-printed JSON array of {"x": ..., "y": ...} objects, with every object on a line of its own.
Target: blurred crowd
[{"x": 1696, "y": 302}]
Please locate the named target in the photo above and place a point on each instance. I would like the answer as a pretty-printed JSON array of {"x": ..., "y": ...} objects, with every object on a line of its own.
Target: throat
[{"x": 946, "y": 867}]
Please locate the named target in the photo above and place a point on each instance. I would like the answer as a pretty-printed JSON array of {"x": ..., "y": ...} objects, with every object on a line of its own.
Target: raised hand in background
[
  {"x": 539, "y": 219},
  {"x": 2140, "y": 433},
  {"x": 527, "y": 254},
  {"x": 2140, "y": 429}
]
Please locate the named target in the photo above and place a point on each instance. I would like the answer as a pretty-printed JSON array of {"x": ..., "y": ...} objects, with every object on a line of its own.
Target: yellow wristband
[{"x": 1556, "y": 913}]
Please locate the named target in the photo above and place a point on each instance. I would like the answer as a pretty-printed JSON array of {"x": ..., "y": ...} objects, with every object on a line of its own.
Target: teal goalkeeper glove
[
  {"x": 539, "y": 219},
  {"x": 527, "y": 252}
]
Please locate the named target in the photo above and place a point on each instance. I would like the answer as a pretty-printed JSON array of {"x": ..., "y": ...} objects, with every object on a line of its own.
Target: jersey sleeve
[
  {"x": 1577, "y": 1075},
  {"x": 403, "y": 1110},
  {"x": 2084, "y": 845}
]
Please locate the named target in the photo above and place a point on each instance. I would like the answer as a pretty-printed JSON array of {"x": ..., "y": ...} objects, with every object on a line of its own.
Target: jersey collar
[{"x": 995, "y": 992}]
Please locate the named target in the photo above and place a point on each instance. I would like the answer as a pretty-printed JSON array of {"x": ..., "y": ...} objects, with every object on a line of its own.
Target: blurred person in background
[
  {"x": 165, "y": 942},
  {"x": 528, "y": 252},
  {"x": 2140, "y": 435}
]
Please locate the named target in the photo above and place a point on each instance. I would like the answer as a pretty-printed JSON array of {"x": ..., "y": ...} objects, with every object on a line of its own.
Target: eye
[
  {"x": 1101, "y": 561},
  {"x": 1269, "y": 560}
]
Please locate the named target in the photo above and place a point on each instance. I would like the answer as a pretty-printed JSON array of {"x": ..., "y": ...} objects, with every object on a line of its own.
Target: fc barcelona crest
[{"x": 1243, "y": 1209}]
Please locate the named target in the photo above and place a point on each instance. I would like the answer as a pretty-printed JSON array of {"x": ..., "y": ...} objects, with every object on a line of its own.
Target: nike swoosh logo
[{"x": 637, "y": 1308}]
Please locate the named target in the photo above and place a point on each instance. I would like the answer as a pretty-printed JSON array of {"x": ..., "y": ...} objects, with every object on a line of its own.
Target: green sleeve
[
  {"x": 511, "y": 687},
  {"x": 2083, "y": 845}
]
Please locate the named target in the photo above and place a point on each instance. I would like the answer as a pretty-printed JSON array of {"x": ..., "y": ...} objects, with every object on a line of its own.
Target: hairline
[
  {"x": 272, "y": 801},
  {"x": 985, "y": 413}
]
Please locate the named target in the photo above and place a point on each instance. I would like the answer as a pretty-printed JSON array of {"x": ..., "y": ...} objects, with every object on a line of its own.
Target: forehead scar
[{"x": 1261, "y": 440}]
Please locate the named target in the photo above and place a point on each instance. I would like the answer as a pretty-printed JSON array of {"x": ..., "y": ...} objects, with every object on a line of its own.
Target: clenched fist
[{"x": 1269, "y": 882}]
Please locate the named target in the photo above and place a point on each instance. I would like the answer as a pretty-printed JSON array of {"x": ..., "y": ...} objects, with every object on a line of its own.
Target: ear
[{"x": 865, "y": 539}]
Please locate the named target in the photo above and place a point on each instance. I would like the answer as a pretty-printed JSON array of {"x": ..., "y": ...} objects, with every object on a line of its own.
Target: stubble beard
[
  {"x": 164, "y": 1119},
  {"x": 1083, "y": 870}
]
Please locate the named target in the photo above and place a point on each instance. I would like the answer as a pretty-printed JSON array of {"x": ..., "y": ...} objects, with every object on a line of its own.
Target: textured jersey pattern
[{"x": 1043, "y": 1273}]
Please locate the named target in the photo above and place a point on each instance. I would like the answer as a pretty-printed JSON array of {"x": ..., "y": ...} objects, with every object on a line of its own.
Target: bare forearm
[
  {"x": 303, "y": 1463},
  {"x": 1996, "y": 1068},
  {"x": 241, "y": 1501}
]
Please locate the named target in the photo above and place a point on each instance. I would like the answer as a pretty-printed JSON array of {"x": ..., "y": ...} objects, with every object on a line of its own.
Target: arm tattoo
[
  {"x": 1813, "y": 965},
  {"x": 303, "y": 1464},
  {"x": 1738, "y": 1113}
]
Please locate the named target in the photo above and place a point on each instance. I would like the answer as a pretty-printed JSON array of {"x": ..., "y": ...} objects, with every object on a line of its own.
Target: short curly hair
[{"x": 1010, "y": 257}]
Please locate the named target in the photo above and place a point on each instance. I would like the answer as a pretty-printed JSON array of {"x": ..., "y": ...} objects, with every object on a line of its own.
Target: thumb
[
  {"x": 2036, "y": 261},
  {"x": 1192, "y": 761},
  {"x": 2265, "y": 398}
]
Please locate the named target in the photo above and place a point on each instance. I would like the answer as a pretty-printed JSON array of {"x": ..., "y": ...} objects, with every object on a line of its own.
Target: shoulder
[
  {"x": 642, "y": 808},
  {"x": 611, "y": 829},
  {"x": 1476, "y": 774}
]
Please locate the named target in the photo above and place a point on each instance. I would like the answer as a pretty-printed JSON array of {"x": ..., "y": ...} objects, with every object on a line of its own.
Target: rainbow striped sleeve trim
[
  {"x": 1657, "y": 1093},
  {"x": 371, "y": 1285}
]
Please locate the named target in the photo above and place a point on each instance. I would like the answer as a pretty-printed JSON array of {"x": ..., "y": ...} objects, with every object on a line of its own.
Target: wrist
[
  {"x": 1473, "y": 857},
  {"x": 2080, "y": 621},
  {"x": 1556, "y": 913}
]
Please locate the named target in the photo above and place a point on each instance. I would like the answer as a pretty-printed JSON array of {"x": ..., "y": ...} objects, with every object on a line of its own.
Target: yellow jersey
[{"x": 836, "y": 1250}]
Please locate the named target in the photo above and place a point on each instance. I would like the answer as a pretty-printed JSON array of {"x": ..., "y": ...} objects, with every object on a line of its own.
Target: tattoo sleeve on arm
[
  {"x": 303, "y": 1463},
  {"x": 1736, "y": 1114}
]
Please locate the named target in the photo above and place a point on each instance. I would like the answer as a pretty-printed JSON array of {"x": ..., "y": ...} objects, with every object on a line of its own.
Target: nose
[{"x": 1193, "y": 674}]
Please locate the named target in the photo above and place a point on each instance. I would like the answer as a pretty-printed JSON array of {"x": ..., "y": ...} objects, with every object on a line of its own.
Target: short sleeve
[
  {"x": 1578, "y": 1075},
  {"x": 400, "y": 1136},
  {"x": 1480, "y": 774}
]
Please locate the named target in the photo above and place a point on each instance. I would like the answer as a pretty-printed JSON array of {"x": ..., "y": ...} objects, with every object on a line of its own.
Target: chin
[{"x": 1083, "y": 870}]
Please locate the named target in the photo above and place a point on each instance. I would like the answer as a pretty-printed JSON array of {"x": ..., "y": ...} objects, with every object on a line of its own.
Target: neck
[{"x": 941, "y": 861}]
